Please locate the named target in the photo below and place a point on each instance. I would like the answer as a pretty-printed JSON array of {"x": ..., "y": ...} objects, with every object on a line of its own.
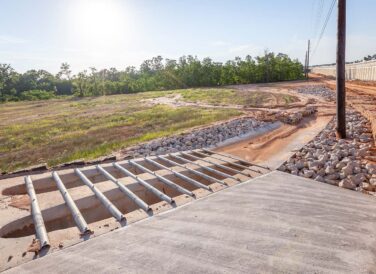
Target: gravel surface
[
  {"x": 198, "y": 138},
  {"x": 295, "y": 117},
  {"x": 345, "y": 163},
  {"x": 320, "y": 91}
]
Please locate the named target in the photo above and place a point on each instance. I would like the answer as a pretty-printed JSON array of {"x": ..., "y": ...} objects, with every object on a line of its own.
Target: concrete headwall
[{"x": 365, "y": 71}]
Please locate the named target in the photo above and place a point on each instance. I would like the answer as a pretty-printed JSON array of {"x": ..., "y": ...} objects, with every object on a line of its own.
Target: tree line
[
  {"x": 370, "y": 57},
  {"x": 154, "y": 74}
]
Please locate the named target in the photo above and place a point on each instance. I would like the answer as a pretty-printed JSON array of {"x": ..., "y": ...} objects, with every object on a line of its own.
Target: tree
[
  {"x": 8, "y": 81},
  {"x": 80, "y": 84},
  {"x": 65, "y": 72},
  {"x": 36, "y": 80}
]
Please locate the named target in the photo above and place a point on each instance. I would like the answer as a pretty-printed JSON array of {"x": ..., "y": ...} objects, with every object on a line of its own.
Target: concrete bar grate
[{"x": 183, "y": 173}]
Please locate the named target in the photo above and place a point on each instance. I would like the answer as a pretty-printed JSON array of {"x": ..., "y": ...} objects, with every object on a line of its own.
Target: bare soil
[{"x": 273, "y": 148}]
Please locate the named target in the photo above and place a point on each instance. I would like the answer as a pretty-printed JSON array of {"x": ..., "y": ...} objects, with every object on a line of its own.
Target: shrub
[{"x": 32, "y": 95}]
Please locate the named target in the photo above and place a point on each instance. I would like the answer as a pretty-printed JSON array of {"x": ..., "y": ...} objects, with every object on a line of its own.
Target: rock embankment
[
  {"x": 346, "y": 163},
  {"x": 295, "y": 117},
  {"x": 319, "y": 91},
  {"x": 198, "y": 138},
  {"x": 365, "y": 104}
]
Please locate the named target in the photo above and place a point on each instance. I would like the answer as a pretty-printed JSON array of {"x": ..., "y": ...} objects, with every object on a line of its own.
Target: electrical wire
[
  {"x": 324, "y": 26},
  {"x": 320, "y": 9}
]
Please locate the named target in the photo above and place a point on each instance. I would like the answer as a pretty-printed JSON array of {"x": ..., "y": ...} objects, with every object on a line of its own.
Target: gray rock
[
  {"x": 357, "y": 179},
  {"x": 346, "y": 183},
  {"x": 370, "y": 166},
  {"x": 299, "y": 164},
  {"x": 333, "y": 176},
  {"x": 331, "y": 182},
  {"x": 329, "y": 170},
  {"x": 321, "y": 172},
  {"x": 320, "y": 179},
  {"x": 309, "y": 173},
  {"x": 348, "y": 169},
  {"x": 340, "y": 165}
]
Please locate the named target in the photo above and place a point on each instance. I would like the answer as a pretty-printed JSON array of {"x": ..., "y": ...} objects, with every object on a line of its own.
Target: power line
[
  {"x": 320, "y": 9},
  {"x": 324, "y": 26}
]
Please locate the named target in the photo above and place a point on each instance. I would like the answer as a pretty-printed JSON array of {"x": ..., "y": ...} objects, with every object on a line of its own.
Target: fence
[{"x": 365, "y": 71}]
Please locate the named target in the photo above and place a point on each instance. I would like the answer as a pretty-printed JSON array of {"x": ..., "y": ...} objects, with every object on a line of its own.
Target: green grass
[
  {"x": 66, "y": 129},
  {"x": 236, "y": 97},
  {"x": 69, "y": 134}
]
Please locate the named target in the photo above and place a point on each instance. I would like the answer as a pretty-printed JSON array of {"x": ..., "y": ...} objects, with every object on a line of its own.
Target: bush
[{"x": 32, "y": 95}]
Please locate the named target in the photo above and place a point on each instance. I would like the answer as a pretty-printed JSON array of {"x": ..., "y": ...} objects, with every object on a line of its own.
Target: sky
[{"x": 42, "y": 34}]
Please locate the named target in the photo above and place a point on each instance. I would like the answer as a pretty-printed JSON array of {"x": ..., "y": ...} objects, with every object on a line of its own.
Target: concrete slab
[{"x": 274, "y": 223}]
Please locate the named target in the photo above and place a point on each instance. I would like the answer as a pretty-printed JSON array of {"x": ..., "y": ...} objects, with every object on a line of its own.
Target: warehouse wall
[{"x": 365, "y": 71}]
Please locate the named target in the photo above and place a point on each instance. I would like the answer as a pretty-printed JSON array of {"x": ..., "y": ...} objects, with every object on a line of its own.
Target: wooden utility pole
[
  {"x": 305, "y": 66},
  {"x": 341, "y": 72}
]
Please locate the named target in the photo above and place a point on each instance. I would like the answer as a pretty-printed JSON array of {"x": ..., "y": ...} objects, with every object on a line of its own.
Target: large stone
[
  {"x": 348, "y": 169},
  {"x": 299, "y": 164},
  {"x": 340, "y": 165},
  {"x": 331, "y": 182},
  {"x": 309, "y": 173},
  {"x": 333, "y": 176},
  {"x": 362, "y": 152},
  {"x": 357, "y": 179},
  {"x": 367, "y": 186},
  {"x": 357, "y": 170},
  {"x": 329, "y": 170},
  {"x": 346, "y": 183},
  {"x": 319, "y": 178}
]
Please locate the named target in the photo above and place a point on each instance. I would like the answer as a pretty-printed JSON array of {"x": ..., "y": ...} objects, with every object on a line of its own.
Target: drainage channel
[{"x": 114, "y": 190}]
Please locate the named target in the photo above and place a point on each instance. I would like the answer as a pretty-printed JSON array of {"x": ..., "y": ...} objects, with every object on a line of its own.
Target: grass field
[
  {"x": 237, "y": 97},
  {"x": 62, "y": 130}
]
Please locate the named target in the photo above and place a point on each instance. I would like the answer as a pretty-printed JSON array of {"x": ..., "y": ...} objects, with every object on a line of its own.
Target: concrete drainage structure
[{"x": 72, "y": 205}]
